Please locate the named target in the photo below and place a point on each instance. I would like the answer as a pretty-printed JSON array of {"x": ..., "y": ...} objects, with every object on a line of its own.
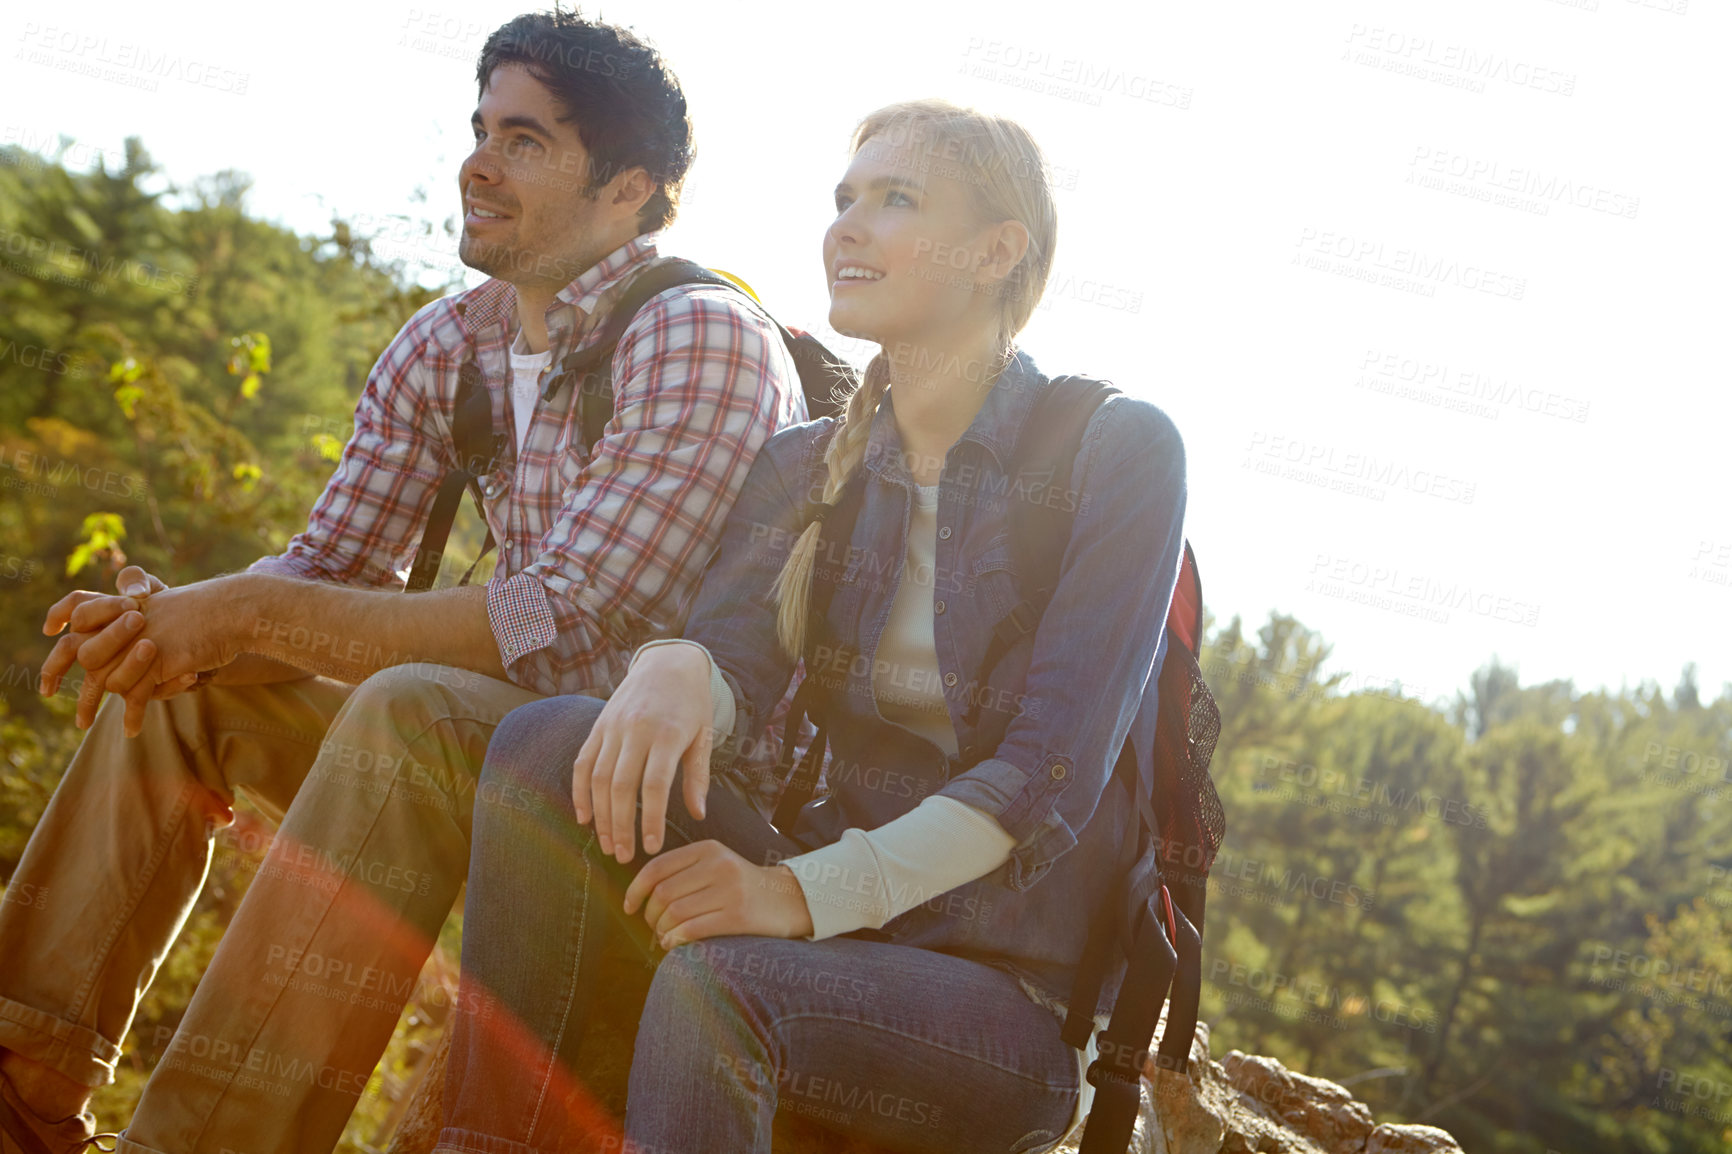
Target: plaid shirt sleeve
[
  {"x": 366, "y": 523},
  {"x": 700, "y": 382}
]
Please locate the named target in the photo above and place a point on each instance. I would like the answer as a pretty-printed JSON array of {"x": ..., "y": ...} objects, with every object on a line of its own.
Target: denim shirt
[{"x": 1058, "y": 706}]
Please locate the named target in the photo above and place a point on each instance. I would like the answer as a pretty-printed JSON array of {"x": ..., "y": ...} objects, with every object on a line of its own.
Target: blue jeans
[{"x": 909, "y": 1048}]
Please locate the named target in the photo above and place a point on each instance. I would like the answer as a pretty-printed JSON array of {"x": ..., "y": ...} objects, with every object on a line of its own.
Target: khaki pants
[{"x": 375, "y": 785}]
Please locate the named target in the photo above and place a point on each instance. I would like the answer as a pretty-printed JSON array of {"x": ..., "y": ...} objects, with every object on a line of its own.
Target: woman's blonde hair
[{"x": 1004, "y": 170}]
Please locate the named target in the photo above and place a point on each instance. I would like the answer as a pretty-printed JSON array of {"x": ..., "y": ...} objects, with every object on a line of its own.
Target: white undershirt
[
  {"x": 905, "y": 678},
  {"x": 526, "y": 371}
]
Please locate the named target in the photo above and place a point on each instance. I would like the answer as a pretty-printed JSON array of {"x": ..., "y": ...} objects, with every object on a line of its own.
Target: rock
[
  {"x": 1320, "y": 1111},
  {"x": 1411, "y": 1140}
]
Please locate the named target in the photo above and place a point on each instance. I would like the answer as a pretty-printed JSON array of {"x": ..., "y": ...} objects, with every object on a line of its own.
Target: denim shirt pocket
[{"x": 993, "y": 580}]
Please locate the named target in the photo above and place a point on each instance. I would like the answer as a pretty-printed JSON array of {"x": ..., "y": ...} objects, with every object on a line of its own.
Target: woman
[{"x": 893, "y": 964}]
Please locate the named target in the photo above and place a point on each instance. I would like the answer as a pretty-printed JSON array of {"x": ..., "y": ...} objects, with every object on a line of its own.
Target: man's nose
[{"x": 481, "y": 165}]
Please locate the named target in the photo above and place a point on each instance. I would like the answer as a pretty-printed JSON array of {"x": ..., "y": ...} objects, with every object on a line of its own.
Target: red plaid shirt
[{"x": 598, "y": 554}]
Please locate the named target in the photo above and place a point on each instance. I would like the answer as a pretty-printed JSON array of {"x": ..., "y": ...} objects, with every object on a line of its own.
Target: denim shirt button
[
  {"x": 944, "y": 533},
  {"x": 950, "y": 679},
  {"x": 1059, "y": 770},
  {"x": 938, "y": 607}
]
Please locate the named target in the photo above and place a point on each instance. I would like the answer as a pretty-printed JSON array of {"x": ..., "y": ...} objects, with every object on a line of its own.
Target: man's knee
[{"x": 420, "y": 681}]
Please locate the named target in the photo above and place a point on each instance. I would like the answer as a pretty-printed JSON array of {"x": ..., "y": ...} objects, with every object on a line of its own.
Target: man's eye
[
  {"x": 529, "y": 141},
  {"x": 842, "y": 203},
  {"x": 895, "y": 197}
]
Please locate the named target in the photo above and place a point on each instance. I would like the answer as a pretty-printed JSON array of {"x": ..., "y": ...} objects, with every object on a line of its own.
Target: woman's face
[{"x": 904, "y": 255}]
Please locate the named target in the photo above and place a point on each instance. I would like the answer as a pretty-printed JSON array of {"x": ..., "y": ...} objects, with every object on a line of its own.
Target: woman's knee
[
  {"x": 694, "y": 983},
  {"x": 533, "y": 747}
]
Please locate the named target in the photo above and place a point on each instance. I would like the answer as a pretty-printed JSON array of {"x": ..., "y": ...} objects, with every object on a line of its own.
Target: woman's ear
[{"x": 1002, "y": 247}]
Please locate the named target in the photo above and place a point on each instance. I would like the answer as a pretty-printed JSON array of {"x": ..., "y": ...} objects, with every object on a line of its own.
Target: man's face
[{"x": 526, "y": 217}]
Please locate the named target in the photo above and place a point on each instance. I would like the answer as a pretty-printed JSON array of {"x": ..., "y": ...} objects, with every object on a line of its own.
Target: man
[{"x": 582, "y": 141}]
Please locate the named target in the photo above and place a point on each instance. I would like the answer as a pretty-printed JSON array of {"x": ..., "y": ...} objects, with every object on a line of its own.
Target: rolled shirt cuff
[
  {"x": 721, "y": 697},
  {"x": 868, "y": 877}
]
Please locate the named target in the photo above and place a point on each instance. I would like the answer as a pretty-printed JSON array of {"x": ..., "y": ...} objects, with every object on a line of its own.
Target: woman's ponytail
[{"x": 847, "y": 448}]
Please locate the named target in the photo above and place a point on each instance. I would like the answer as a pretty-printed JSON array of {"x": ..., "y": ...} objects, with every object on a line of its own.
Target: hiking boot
[{"x": 22, "y": 1131}]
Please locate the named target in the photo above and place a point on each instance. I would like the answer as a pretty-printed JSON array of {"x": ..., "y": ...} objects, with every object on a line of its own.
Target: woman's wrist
[
  {"x": 791, "y": 897},
  {"x": 679, "y": 657}
]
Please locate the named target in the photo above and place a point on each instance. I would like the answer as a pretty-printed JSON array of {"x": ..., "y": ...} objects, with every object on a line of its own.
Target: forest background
[{"x": 1504, "y": 914}]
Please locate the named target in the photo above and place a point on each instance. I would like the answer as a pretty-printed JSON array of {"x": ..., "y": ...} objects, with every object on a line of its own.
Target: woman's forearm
[{"x": 868, "y": 877}]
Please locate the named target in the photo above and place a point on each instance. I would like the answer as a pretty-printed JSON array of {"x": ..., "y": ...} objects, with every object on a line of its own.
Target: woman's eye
[
  {"x": 895, "y": 197},
  {"x": 842, "y": 203}
]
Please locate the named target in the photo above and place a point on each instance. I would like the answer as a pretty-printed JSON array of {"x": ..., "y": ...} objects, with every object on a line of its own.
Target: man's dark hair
[{"x": 624, "y": 99}]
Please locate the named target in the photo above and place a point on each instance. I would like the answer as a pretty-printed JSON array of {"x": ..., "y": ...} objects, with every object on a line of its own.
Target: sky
[{"x": 1435, "y": 293}]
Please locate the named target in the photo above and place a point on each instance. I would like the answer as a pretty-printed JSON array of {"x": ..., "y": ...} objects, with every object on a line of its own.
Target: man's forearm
[
  {"x": 251, "y": 669},
  {"x": 349, "y": 634}
]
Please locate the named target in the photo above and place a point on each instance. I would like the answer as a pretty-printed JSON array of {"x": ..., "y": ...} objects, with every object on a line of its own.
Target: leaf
[
  {"x": 82, "y": 222},
  {"x": 328, "y": 446},
  {"x": 248, "y": 475},
  {"x": 250, "y": 386},
  {"x": 128, "y": 396},
  {"x": 79, "y": 558},
  {"x": 102, "y": 532},
  {"x": 126, "y": 371}
]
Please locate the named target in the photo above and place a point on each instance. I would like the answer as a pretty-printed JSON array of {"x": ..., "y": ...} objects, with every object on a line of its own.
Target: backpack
[
  {"x": 1180, "y": 815},
  {"x": 825, "y": 379}
]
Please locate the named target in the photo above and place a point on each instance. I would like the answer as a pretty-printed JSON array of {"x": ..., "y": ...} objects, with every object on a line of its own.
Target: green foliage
[
  {"x": 139, "y": 326},
  {"x": 1507, "y": 917}
]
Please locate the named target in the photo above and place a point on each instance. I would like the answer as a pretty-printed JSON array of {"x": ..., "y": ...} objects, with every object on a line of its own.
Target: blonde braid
[{"x": 847, "y": 448}]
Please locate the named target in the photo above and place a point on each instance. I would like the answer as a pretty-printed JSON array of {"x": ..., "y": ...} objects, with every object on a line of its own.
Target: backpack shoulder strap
[
  {"x": 590, "y": 370},
  {"x": 1040, "y": 522},
  {"x": 477, "y": 445}
]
